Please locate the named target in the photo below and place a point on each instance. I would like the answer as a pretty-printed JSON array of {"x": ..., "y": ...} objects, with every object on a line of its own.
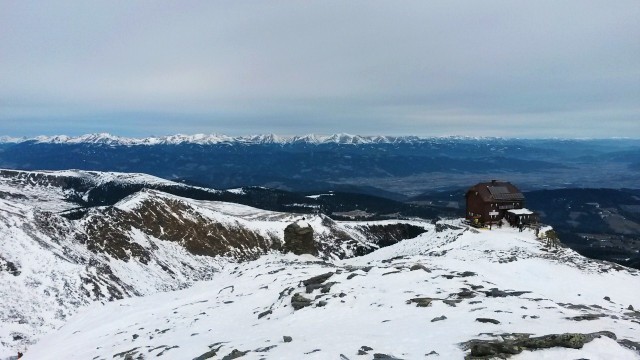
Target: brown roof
[{"x": 497, "y": 191}]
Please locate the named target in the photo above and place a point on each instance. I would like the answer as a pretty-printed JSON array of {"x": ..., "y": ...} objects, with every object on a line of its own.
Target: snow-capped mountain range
[
  {"x": 400, "y": 166},
  {"x": 209, "y": 139}
]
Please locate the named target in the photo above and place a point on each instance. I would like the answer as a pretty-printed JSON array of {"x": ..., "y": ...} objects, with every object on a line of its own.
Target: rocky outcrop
[
  {"x": 298, "y": 301},
  {"x": 172, "y": 220},
  {"x": 8, "y": 266},
  {"x": 516, "y": 343},
  {"x": 298, "y": 239}
]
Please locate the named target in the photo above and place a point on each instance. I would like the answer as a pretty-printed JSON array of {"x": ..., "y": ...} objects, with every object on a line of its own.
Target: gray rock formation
[
  {"x": 516, "y": 343},
  {"x": 298, "y": 301},
  {"x": 298, "y": 239}
]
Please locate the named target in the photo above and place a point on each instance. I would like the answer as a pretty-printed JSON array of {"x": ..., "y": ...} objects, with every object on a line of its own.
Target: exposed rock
[
  {"x": 317, "y": 279},
  {"x": 487, "y": 320},
  {"x": 9, "y": 266},
  {"x": 491, "y": 349},
  {"x": 265, "y": 349},
  {"x": 299, "y": 239},
  {"x": 264, "y": 313},
  {"x": 630, "y": 345},
  {"x": 419, "y": 267},
  {"x": 389, "y": 234},
  {"x": 440, "y": 227},
  {"x": 630, "y": 308},
  {"x": 420, "y": 302},
  {"x": 587, "y": 317},
  {"x": 170, "y": 220},
  {"x": 309, "y": 288},
  {"x": 466, "y": 294},
  {"x": 235, "y": 354},
  {"x": 466, "y": 274},
  {"x": 298, "y": 301},
  {"x": 391, "y": 272},
  {"x": 325, "y": 287},
  {"x": 495, "y": 292},
  {"x": 285, "y": 292},
  {"x": 378, "y": 356},
  {"x": 516, "y": 343},
  {"x": 351, "y": 276},
  {"x": 439, "y": 318},
  {"x": 607, "y": 298},
  {"x": 451, "y": 303},
  {"x": 287, "y": 339},
  {"x": 208, "y": 355},
  {"x": 575, "y": 306}
]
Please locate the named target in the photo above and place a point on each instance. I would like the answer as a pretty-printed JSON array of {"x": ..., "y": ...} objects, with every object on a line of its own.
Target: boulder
[
  {"x": 298, "y": 239},
  {"x": 488, "y": 320},
  {"x": 419, "y": 267},
  {"x": 378, "y": 356},
  {"x": 317, "y": 279},
  {"x": 365, "y": 348},
  {"x": 298, "y": 301},
  {"x": 421, "y": 302}
]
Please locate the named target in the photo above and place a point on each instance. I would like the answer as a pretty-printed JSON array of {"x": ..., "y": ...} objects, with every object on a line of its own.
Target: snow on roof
[{"x": 521, "y": 211}]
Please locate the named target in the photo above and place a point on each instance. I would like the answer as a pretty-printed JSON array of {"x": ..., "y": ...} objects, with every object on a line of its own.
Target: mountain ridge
[
  {"x": 210, "y": 139},
  {"x": 52, "y": 264}
]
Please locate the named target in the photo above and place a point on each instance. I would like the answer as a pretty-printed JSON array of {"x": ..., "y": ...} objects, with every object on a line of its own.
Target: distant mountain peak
[{"x": 210, "y": 139}]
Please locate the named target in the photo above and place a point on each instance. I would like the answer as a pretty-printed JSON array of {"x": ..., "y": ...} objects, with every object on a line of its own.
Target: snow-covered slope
[
  {"x": 437, "y": 296},
  {"x": 51, "y": 264},
  {"x": 62, "y": 190}
]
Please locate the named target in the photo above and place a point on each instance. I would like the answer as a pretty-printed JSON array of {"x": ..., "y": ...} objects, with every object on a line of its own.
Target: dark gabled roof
[{"x": 497, "y": 191}]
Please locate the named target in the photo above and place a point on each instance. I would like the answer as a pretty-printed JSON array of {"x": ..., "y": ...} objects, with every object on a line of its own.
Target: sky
[{"x": 428, "y": 68}]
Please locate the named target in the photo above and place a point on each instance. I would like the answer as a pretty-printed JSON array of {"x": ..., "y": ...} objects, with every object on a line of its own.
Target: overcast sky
[{"x": 428, "y": 68}]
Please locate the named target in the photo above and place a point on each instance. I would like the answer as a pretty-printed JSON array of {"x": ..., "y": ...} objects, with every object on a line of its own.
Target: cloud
[{"x": 325, "y": 66}]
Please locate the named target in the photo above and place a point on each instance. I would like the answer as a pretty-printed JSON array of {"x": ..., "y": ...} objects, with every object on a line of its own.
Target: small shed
[
  {"x": 517, "y": 217},
  {"x": 488, "y": 202}
]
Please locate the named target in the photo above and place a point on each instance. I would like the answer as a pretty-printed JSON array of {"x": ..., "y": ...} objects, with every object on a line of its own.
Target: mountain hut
[{"x": 490, "y": 202}]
